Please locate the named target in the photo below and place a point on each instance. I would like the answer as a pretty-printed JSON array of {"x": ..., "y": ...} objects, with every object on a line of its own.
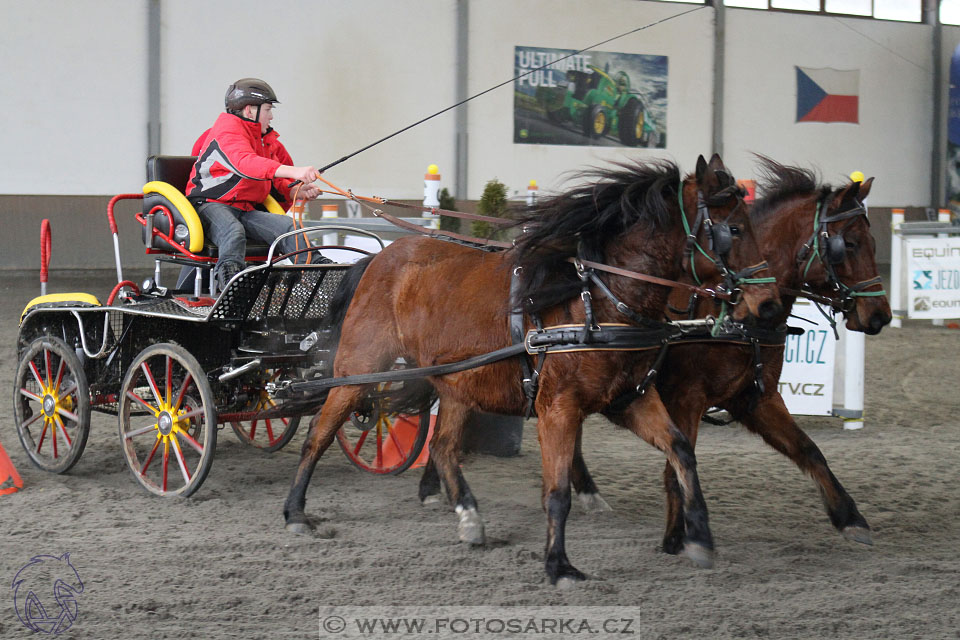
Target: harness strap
[{"x": 314, "y": 386}]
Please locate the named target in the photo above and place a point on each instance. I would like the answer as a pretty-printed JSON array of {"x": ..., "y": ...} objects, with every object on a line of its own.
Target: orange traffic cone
[{"x": 10, "y": 481}]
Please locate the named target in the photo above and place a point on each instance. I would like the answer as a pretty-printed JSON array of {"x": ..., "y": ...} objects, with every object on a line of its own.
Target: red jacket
[{"x": 236, "y": 165}]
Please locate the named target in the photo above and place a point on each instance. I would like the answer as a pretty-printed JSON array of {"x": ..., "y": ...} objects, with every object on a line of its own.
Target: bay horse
[
  {"x": 433, "y": 302},
  {"x": 816, "y": 238}
]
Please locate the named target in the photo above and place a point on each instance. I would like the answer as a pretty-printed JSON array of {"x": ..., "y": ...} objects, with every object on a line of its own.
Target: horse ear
[
  {"x": 846, "y": 197},
  {"x": 865, "y": 188},
  {"x": 716, "y": 163},
  {"x": 701, "y": 168}
]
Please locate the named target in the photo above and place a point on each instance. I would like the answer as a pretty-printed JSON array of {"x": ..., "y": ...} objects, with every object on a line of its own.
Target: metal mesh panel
[{"x": 295, "y": 294}]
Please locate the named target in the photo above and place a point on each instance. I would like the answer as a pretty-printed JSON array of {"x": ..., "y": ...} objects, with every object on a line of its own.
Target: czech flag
[{"x": 828, "y": 95}]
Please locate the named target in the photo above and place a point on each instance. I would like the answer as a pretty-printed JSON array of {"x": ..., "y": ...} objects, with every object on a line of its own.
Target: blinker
[
  {"x": 721, "y": 239},
  {"x": 836, "y": 249}
]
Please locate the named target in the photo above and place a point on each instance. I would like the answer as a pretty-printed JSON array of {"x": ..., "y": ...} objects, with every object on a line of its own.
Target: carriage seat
[{"x": 167, "y": 178}]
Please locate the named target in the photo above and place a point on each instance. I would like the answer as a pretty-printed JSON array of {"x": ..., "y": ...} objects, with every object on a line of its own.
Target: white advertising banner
[
  {"x": 806, "y": 382},
  {"x": 933, "y": 277}
]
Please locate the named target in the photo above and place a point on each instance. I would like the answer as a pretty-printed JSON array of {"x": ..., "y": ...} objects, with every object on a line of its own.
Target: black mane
[
  {"x": 591, "y": 215},
  {"x": 780, "y": 182}
]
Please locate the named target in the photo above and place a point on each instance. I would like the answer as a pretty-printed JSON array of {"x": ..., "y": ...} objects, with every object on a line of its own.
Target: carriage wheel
[
  {"x": 52, "y": 405},
  {"x": 380, "y": 442},
  {"x": 168, "y": 421},
  {"x": 269, "y": 434}
]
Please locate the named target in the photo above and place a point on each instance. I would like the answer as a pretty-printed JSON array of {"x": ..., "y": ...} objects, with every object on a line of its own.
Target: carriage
[{"x": 178, "y": 365}]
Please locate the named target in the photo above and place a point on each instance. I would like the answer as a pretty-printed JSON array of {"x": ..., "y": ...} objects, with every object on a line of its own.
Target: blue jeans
[{"x": 228, "y": 228}]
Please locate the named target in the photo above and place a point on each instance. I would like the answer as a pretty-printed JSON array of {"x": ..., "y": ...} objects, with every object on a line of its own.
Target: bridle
[
  {"x": 831, "y": 251},
  {"x": 721, "y": 237}
]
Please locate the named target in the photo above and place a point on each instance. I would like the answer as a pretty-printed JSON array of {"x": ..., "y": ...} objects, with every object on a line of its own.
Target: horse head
[
  {"x": 722, "y": 252},
  {"x": 843, "y": 259}
]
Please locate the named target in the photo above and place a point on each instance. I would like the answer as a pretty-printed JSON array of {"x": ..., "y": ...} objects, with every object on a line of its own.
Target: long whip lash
[{"x": 505, "y": 82}]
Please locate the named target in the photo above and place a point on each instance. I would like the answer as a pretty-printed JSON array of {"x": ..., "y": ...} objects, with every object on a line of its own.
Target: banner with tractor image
[{"x": 594, "y": 98}]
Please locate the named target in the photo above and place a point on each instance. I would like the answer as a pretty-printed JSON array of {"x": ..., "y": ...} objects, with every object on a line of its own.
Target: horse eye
[
  {"x": 734, "y": 231},
  {"x": 851, "y": 246}
]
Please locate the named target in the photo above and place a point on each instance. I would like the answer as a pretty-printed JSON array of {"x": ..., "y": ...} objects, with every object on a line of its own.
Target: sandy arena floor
[{"x": 220, "y": 565}]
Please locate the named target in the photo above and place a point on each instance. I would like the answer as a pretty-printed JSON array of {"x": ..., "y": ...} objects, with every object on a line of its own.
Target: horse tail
[{"x": 342, "y": 297}]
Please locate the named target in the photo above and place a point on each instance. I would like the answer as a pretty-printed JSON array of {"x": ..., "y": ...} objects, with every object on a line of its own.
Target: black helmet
[{"x": 248, "y": 91}]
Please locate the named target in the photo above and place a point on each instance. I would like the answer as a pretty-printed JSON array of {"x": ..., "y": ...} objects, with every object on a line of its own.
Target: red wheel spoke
[
  {"x": 143, "y": 469},
  {"x": 190, "y": 440},
  {"x": 152, "y": 383},
  {"x": 67, "y": 414},
  {"x": 60, "y": 370},
  {"x": 63, "y": 430},
  {"x": 31, "y": 395},
  {"x": 43, "y": 434},
  {"x": 136, "y": 398},
  {"x": 253, "y": 428},
  {"x": 130, "y": 435},
  {"x": 378, "y": 460},
  {"x": 69, "y": 391},
  {"x": 270, "y": 438},
  {"x": 181, "y": 461},
  {"x": 30, "y": 421},
  {"x": 190, "y": 415},
  {"x": 169, "y": 380},
  {"x": 36, "y": 375},
  {"x": 166, "y": 462},
  {"x": 183, "y": 390},
  {"x": 53, "y": 437},
  {"x": 46, "y": 360},
  {"x": 363, "y": 437}
]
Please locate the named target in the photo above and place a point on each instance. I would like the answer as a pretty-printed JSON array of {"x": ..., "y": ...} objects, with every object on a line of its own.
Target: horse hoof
[
  {"x": 431, "y": 499},
  {"x": 299, "y": 528},
  {"x": 594, "y": 503},
  {"x": 470, "y": 528},
  {"x": 857, "y": 534},
  {"x": 701, "y": 556},
  {"x": 566, "y": 582},
  {"x": 569, "y": 578}
]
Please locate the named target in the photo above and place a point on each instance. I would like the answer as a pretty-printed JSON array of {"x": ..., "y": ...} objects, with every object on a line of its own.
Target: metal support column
[
  {"x": 938, "y": 198},
  {"x": 719, "y": 48},
  {"x": 463, "y": 44},
  {"x": 153, "y": 77}
]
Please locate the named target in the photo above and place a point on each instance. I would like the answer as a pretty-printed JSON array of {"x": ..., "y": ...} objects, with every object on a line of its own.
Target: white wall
[
  {"x": 73, "y": 90},
  {"x": 893, "y": 140},
  {"x": 349, "y": 72}
]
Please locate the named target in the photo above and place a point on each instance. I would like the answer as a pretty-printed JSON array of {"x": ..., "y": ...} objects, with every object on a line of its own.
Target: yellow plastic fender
[{"x": 84, "y": 299}]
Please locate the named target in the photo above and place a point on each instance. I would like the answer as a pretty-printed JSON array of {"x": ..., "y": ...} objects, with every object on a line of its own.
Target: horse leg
[
  {"x": 323, "y": 429},
  {"x": 557, "y": 430},
  {"x": 445, "y": 447},
  {"x": 429, "y": 490},
  {"x": 648, "y": 418},
  {"x": 586, "y": 488},
  {"x": 772, "y": 421},
  {"x": 687, "y": 420}
]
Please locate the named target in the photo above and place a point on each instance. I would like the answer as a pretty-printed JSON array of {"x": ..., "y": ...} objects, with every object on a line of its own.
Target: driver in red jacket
[{"x": 240, "y": 160}]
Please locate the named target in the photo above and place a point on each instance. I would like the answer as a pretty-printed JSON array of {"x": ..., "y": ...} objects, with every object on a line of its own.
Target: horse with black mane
[
  {"x": 818, "y": 242},
  {"x": 433, "y": 302}
]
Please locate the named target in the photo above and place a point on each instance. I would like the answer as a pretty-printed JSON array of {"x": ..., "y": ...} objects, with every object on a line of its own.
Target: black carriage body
[{"x": 274, "y": 315}]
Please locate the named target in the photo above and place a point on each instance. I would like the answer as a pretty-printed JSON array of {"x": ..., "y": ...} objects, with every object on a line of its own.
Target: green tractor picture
[{"x": 599, "y": 105}]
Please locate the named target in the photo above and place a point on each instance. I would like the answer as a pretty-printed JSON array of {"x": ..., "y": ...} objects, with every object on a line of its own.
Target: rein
[{"x": 367, "y": 202}]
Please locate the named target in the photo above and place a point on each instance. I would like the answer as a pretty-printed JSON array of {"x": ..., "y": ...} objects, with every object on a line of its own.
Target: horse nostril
[
  {"x": 878, "y": 321},
  {"x": 770, "y": 309}
]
